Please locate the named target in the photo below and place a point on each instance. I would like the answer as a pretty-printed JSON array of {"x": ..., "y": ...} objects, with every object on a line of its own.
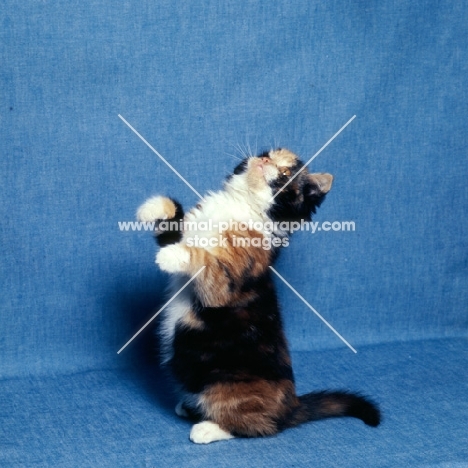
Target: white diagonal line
[
  {"x": 313, "y": 310},
  {"x": 160, "y": 310},
  {"x": 157, "y": 154},
  {"x": 313, "y": 157}
]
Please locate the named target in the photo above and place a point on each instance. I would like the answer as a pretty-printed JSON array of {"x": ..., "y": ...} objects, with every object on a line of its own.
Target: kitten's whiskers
[{"x": 232, "y": 156}]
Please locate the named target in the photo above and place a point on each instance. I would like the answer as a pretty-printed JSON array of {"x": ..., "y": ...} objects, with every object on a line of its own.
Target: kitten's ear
[{"x": 319, "y": 184}]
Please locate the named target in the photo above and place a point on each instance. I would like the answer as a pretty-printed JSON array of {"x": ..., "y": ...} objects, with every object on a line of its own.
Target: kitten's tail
[{"x": 321, "y": 405}]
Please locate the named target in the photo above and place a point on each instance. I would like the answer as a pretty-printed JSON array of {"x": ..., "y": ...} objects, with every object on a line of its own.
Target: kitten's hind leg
[{"x": 208, "y": 431}]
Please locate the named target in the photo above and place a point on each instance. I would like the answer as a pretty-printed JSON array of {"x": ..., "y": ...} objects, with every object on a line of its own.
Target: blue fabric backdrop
[{"x": 199, "y": 80}]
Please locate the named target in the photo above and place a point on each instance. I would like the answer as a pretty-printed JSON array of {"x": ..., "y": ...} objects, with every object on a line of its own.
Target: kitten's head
[{"x": 281, "y": 174}]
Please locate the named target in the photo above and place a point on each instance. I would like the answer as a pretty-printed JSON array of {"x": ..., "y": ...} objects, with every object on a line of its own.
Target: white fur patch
[
  {"x": 236, "y": 203},
  {"x": 208, "y": 431},
  {"x": 174, "y": 312},
  {"x": 155, "y": 208},
  {"x": 173, "y": 258}
]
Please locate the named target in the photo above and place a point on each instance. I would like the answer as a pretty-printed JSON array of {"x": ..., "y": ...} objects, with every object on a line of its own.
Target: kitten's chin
[
  {"x": 270, "y": 174},
  {"x": 258, "y": 169},
  {"x": 256, "y": 181},
  {"x": 252, "y": 184},
  {"x": 260, "y": 175}
]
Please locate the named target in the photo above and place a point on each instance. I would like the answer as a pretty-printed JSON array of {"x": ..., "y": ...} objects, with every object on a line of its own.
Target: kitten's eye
[{"x": 285, "y": 171}]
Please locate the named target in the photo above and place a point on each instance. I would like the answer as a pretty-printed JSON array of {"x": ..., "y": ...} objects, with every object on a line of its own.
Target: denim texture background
[{"x": 198, "y": 80}]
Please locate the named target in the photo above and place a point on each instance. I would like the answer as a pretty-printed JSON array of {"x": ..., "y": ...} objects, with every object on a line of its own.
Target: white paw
[
  {"x": 180, "y": 410},
  {"x": 207, "y": 431},
  {"x": 156, "y": 208},
  {"x": 173, "y": 258}
]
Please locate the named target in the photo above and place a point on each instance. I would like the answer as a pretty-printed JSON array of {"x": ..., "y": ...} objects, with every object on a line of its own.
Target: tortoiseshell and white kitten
[{"x": 223, "y": 335}]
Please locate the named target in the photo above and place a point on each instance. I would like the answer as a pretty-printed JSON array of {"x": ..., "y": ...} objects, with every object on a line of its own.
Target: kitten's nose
[{"x": 265, "y": 159}]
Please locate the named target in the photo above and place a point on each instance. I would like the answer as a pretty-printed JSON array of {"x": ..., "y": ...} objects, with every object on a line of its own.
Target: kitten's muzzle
[{"x": 263, "y": 161}]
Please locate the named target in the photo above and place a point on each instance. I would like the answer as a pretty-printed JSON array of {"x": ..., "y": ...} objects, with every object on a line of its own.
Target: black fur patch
[
  {"x": 241, "y": 167},
  {"x": 172, "y": 236},
  {"x": 298, "y": 200},
  {"x": 235, "y": 344}
]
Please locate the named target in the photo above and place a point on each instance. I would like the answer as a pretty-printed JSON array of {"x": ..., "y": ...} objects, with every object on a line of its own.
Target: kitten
[{"x": 223, "y": 334}]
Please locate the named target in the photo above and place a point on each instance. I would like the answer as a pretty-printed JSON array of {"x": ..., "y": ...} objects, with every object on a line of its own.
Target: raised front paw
[
  {"x": 173, "y": 259},
  {"x": 156, "y": 208}
]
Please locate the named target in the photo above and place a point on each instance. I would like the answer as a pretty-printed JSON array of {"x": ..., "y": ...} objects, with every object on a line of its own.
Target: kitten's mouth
[{"x": 264, "y": 167}]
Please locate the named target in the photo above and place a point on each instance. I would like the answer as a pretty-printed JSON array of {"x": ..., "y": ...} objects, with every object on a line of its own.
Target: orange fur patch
[
  {"x": 191, "y": 321},
  {"x": 226, "y": 268},
  {"x": 283, "y": 157},
  {"x": 249, "y": 408}
]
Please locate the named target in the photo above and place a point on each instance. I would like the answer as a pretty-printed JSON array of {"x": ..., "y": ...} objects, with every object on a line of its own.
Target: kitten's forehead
[{"x": 283, "y": 157}]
